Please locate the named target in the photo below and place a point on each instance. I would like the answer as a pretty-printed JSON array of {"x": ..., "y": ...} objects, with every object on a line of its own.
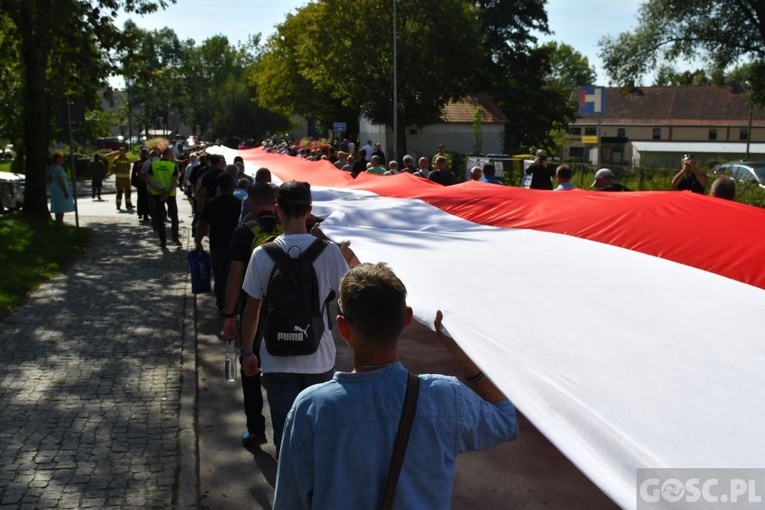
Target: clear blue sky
[{"x": 574, "y": 22}]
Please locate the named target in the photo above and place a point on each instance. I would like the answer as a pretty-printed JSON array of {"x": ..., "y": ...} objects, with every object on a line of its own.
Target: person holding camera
[
  {"x": 541, "y": 172},
  {"x": 689, "y": 177}
]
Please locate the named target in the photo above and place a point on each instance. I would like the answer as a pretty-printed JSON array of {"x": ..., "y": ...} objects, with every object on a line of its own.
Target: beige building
[
  {"x": 455, "y": 131},
  {"x": 655, "y": 126}
]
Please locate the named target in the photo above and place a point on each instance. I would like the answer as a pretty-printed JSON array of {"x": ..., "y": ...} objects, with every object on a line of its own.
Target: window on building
[
  {"x": 713, "y": 134},
  {"x": 576, "y": 152},
  {"x": 590, "y": 131},
  {"x": 657, "y": 133},
  {"x": 621, "y": 133},
  {"x": 743, "y": 134},
  {"x": 575, "y": 131}
]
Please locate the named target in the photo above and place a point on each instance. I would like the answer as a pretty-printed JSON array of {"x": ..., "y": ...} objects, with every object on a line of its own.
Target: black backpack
[{"x": 294, "y": 313}]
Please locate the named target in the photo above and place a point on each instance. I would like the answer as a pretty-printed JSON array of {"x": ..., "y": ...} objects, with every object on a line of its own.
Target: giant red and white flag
[{"x": 628, "y": 327}]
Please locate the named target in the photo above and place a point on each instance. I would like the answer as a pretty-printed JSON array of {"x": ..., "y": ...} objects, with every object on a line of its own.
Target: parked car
[
  {"x": 8, "y": 152},
  {"x": 11, "y": 190},
  {"x": 747, "y": 171},
  {"x": 109, "y": 142}
]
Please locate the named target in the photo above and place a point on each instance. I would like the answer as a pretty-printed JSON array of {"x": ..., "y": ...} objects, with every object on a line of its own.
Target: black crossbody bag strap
[{"x": 402, "y": 438}]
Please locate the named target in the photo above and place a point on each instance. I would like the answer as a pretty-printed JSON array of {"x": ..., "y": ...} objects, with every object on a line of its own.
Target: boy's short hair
[
  {"x": 563, "y": 171},
  {"x": 262, "y": 193},
  {"x": 263, "y": 175},
  {"x": 373, "y": 301},
  {"x": 723, "y": 187},
  {"x": 226, "y": 181},
  {"x": 294, "y": 198}
]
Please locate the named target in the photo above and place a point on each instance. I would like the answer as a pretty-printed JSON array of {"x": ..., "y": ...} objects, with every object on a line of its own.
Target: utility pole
[
  {"x": 71, "y": 161},
  {"x": 395, "y": 86},
  {"x": 749, "y": 131}
]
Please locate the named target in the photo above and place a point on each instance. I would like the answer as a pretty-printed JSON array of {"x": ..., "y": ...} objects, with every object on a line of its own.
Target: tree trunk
[{"x": 36, "y": 124}]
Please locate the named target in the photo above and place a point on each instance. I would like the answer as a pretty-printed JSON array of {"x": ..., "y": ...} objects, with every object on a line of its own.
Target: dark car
[
  {"x": 109, "y": 142},
  {"x": 11, "y": 190},
  {"x": 746, "y": 171}
]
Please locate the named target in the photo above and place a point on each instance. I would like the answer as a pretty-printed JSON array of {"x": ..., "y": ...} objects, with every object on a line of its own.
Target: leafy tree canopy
[
  {"x": 567, "y": 68},
  {"x": 65, "y": 48},
  {"x": 719, "y": 31},
  {"x": 342, "y": 51}
]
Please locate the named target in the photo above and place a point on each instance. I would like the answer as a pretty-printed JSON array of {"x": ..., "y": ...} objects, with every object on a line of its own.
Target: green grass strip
[{"x": 32, "y": 252}]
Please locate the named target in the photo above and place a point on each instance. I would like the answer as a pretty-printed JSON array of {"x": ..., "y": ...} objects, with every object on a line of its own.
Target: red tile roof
[
  {"x": 462, "y": 111},
  {"x": 704, "y": 105}
]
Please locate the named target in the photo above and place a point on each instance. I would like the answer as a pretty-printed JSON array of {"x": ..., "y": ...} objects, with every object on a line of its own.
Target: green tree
[
  {"x": 477, "y": 125},
  {"x": 205, "y": 85},
  {"x": 667, "y": 76},
  {"x": 509, "y": 27},
  {"x": 153, "y": 66},
  {"x": 212, "y": 69},
  {"x": 567, "y": 68},
  {"x": 525, "y": 79},
  {"x": 64, "y": 47},
  {"x": 238, "y": 115},
  {"x": 10, "y": 83},
  {"x": 720, "y": 31},
  {"x": 438, "y": 43},
  {"x": 539, "y": 103},
  {"x": 282, "y": 85}
]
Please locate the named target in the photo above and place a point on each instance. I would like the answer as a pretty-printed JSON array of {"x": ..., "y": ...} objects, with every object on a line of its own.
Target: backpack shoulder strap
[
  {"x": 313, "y": 251},
  {"x": 273, "y": 251}
]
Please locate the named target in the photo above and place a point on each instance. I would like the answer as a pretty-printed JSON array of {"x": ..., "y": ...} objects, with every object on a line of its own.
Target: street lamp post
[
  {"x": 395, "y": 86},
  {"x": 749, "y": 126},
  {"x": 749, "y": 131}
]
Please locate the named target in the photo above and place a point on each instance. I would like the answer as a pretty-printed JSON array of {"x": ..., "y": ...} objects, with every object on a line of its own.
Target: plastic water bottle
[{"x": 230, "y": 368}]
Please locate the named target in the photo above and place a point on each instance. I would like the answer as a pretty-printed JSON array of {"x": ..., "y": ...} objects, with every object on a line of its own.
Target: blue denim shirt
[{"x": 338, "y": 440}]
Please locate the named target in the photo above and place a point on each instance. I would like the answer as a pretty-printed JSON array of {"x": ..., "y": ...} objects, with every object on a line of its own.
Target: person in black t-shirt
[
  {"x": 208, "y": 184},
  {"x": 541, "y": 172},
  {"x": 360, "y": 165},
  {"x": 605, "y": 180},
  {"x": 441, "y": 174},
  {"x": 689, "y": 177},
  {"x": 266, "y": 225},
  {"x": 379, "y": 153},
  {"x": 221, "y": 214}
]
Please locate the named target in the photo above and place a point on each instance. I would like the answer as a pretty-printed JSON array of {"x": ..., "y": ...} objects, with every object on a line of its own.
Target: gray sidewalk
[{"x": 98, "y": 380}]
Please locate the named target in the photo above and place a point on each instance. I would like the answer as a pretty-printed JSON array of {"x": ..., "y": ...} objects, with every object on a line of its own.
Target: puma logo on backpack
[{"x": 293, "y": 311}]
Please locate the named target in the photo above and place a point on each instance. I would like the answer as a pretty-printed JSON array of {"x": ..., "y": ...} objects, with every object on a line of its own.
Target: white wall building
[{"x": 455, "y": 131}]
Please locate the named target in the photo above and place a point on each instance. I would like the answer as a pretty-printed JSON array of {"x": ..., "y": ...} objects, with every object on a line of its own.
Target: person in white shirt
[
  {"x": 286, "y": 376},
  {"x": 563, "y": 176}
]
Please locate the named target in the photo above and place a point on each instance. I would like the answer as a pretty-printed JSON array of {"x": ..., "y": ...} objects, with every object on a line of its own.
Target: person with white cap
[{"x": 605, "y": 180}]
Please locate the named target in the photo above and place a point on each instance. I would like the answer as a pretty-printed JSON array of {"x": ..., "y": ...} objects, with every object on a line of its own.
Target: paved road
[{"x": 112, "y": 395}]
